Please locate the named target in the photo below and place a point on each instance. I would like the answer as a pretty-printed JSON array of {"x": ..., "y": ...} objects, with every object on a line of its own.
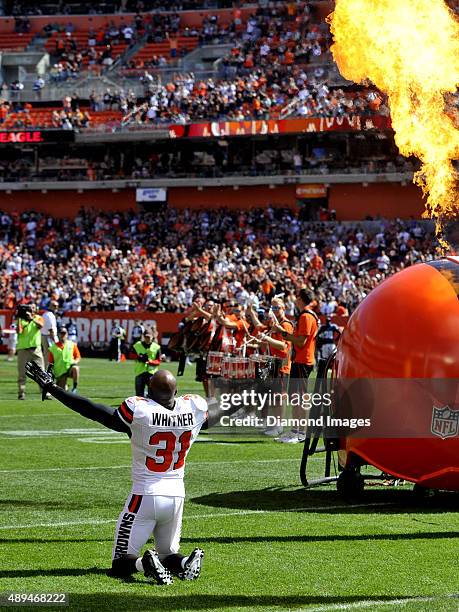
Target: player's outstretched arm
[{"x": 106, "y": 415}]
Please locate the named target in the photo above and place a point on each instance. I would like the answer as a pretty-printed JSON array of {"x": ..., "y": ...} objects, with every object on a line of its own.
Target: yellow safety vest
[
  {"x": 152, "y": 352},
  {"x": 29, "y": 334},
  {"x": 63, "y": 357}
]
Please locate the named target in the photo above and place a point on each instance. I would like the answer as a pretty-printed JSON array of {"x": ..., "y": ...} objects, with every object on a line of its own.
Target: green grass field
[{"x": 269, "y": 543}]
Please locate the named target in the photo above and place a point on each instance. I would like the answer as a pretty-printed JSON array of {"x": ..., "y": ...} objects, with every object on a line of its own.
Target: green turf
[{"x": 269, "y": 544}]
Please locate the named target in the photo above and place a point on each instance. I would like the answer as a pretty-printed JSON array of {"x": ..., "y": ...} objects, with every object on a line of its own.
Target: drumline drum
[
  {"x": 214, "y": 362},
  {"x": 264, "y": 366},
  {"x": 238, "y": 368}
]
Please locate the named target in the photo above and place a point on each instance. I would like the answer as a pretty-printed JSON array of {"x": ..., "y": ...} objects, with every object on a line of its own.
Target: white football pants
[{"x": 146, "y": 515}]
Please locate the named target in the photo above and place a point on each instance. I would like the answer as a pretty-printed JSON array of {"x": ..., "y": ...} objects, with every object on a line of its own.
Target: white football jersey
[{"x": 160, "y": 441}]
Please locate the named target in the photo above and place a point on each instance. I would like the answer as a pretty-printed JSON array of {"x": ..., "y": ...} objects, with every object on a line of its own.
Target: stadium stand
[
  {"x": 160, "y": 53},
  {"x": 27, "y": 117},
  {"x": 199, "y": 94},
  {"x": 14, "y": 41},
  {"x": 83, "y": 7},
  {"x": 162, "y": 260}
]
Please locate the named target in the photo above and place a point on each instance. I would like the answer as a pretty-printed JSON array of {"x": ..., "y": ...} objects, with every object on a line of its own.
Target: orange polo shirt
[
  {"x": 287, "y": 354},
  {"x": 306, "y": 326}
]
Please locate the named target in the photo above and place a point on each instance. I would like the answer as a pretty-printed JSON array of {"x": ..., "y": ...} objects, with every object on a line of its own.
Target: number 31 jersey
[{"x": 160, "y": 441}]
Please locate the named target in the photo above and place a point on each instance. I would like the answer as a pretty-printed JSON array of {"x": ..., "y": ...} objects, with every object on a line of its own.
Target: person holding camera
[
  {"x": 147, "y": 361},
  {"x": 28, "y": 348}
]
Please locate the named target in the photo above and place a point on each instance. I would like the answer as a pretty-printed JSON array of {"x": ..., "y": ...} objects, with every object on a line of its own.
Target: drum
[
  {"x": 238, "y": 368},
  {"x": 214, "y": 362},
  {"x": 264, "y": 366}
]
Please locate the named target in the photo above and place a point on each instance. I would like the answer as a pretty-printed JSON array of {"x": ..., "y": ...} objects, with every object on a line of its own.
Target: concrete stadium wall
[
  {"x": 390, "y": 200},
  {"x": 351, "y": 201}
]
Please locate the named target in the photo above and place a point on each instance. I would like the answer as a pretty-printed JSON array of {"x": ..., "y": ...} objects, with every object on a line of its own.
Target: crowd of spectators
[
  {"x": 279, "y": 36},
  {"x": 185, "y": 98},
  {"x": 103, "y": 46},
  {"x": 162, "y": 261},
  {"x": 210, "y": 160},
  {"x": 262, "y": 94},
  {"x": 267, "y": 74},
  {"x": 85, "y": 7},
  {"x": 17, "y": 114}
]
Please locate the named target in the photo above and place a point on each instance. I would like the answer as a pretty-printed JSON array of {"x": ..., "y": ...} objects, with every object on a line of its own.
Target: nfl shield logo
[{"x": 445, "y": 422}]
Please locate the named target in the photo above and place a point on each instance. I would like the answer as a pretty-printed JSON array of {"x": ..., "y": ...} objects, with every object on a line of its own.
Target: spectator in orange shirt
[
  {"x": 303, "y": 340},
  {"x": 173, "y": 45},
  {"x": 342, "y": 310},
  {"x": 289, "y": 58},
  {"x": 317, "y": 263},
  {"x": 267, "y": 287}
]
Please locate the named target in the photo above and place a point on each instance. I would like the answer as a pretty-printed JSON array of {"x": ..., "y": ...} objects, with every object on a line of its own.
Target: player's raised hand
[{"x": 38, "y": 375}]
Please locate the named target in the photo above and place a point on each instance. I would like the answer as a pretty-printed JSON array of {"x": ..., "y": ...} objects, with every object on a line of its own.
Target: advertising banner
[{"x": 354, "y": 123}]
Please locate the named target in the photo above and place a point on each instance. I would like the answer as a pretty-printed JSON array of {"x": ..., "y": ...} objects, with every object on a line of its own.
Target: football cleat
[
  {"x": 192, "y": 566},
  {"x": 154, "y": 569}
]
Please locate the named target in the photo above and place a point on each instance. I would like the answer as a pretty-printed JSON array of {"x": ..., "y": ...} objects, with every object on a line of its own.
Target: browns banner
[
  {"x": 94, "y": 328},
  {"x": 354, "y": 123}
]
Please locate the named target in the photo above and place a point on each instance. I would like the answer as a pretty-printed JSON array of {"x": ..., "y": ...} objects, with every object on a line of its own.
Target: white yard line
[
  {"x": 198, "y": 516},
  {"x": 118, "y": 467},
  {"x": 66, "y": 469},
  {"x": 37, "y": 414},
  {"x": 23, "y": 434},
  {"x": 371, "y": 603}
]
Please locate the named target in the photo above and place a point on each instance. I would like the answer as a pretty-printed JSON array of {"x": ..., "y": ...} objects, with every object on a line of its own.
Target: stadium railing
[{"x": 230, "y": 180}]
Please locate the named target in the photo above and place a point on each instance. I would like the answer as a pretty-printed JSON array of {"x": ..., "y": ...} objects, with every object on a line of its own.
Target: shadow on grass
[
  {"x": 14, "y": 504},
  {"x": 58, "y": 571},
  {"x": 272, "y": 499},
  {"x": 110, "y": 601},
  {"x": 426, "y": 535}
]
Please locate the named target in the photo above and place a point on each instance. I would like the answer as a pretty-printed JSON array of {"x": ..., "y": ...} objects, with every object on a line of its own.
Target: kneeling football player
[{"x": 162, "y": 428}]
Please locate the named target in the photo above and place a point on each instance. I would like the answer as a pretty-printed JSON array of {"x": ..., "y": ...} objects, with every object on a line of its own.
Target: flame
[{"x": 409, "y": 49}]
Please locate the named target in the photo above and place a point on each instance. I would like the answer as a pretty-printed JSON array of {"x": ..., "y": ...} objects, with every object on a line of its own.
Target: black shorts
[
  {"x": 299, "y": 375},
  {"x": 201, "y": 369},
  {"x": 66, "y": 374},
  {"x": 300, "y": 370}
]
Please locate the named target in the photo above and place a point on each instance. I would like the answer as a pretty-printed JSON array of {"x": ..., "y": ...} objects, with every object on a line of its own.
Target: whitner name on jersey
[
  {"x": 174, "y": 421},
  {"x": 160, "y": 441}
]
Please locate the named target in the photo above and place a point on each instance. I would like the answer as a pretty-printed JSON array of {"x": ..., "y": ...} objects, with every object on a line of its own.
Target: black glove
[
  {"x": 143, "y": 358},
  {"x": 42, "y": 378}
]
